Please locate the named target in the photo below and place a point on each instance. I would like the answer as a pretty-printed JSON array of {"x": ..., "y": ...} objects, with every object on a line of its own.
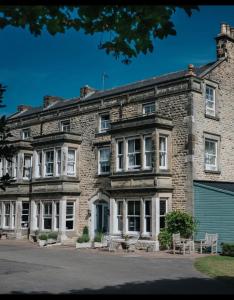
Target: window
[
  {"x": 120, "y": 215},
  {"x": 210, "y": 154},
  {"x": 47, "y": 217},
  {"x": 163, "y": 152},
  {"x": 15, "y": 166},
  {"x": 26, "y": 133},
  {"x": 163, "y": 211},
  {"x": 134, "y": 155},
  {"x": 1, "y": 168},
  {"x": 25, "y": 215},
  {"x": 39, "y": 163},
  {"x": 149, "y": 108},
  {"x": 65, "y": 126},
  {"x": 49, "y": 163},
  {"x": 148, "y": 152},
  {"x": 56, "y": 215},
  {"x": 71, "y": 162},
  {"x": 120, "y": 155},
  {"x": 58, "y": 165},
  {"x": 7, "y": 213},
  {"x": 27, "y": 166},
  {"x": 70, "y": 216},
  {"x": 104, "y": 161},
  {"x": 148, "y": 215},
  {"x": 9, "y": 168},
  {"x": 38, "y": 213},
  {"x": 104, "y": 122},
  {"x": 210, "y": 101},
  {"x": 13, "y": 213},
  {"x": 133, "y": 215},
  {"x": 0, "y": 214}
]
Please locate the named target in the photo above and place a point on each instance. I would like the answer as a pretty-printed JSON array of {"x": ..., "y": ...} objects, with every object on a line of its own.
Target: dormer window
[
  {"x": 149, "y": 108},
  {"x": 65, "y": 126},
  {"x": 104, "y": 124},
  {"x": 26, "y": 133},
  {"x": 210, "y": 100}
]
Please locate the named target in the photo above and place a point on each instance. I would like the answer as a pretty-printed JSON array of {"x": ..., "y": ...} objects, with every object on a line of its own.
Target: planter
[
  {"x": 83, "y": 245},
  {"x": 98, "y": 245},
  {"x": 51, "y": 241},
  {"x": 42, "y": 243}
]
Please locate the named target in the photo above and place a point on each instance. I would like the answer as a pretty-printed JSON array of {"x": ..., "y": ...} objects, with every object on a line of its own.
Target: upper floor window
[
  {"x": 149, "y": 108},
  {"x": 27, "y": 166},
  {"x": 26, "y": 133},
  {"x": 148, "y": 153},
  {"x": 134, "y": 154},
  {"x": 49, "y": 163},
  {"x": 211, "y": 155},
  {"x": 58, "y": 159},
  {"x": 104, "y": 123},
  {"x": 65, "y": 126},
  {"x": 120, "y": 155},
  {"x": 163, "y": 152},
  {"x": 71, "y": 162},
  {"x": 210, "y": 100},
  {"x": 104, "y": 161}
]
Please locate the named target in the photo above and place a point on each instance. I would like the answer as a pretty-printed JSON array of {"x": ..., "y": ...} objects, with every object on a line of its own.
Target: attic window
[
  {"x": 26, "y": 133},
  {"x": 65, "y": 126}
]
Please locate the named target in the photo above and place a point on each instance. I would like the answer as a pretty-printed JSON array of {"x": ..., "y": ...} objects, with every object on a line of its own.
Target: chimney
[
  {"x": 22, "y": 107},
  {"x": 86, "y": 90},
  {"x": 223, "y": 40},
  {"x": 48, "y": 100}
]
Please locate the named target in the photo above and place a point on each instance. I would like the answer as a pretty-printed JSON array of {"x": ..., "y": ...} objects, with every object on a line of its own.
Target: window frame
[
  {"x": 133, "y": 216},
  {"x": 74, "y": 162},
  {"x": 210, "y": 111},
  {"x": 64, "y": 126},
  {"x": 118, "y": 156},
  {"x": 24, "y": 168},
  {"x": 25, "y": 214},
  {"x": 99, "y": 160},
  {"x": 28, "y": 131},
  {"x": 134, "y": 167},
  {"x": 104, "y": 129},
  {"x": 52, "y": 150},
  {"x": 149, "y": 104},
  {"x": 209, "y": 167},
  {"x": 47, "y": 216},
  {"x": 148, "y": 216},
  {"x": 165, "y": 152},
  {"x": 147, "y": 151},
  {"x": 166, "y": 210},
  {"x": 70, "y": 218}
]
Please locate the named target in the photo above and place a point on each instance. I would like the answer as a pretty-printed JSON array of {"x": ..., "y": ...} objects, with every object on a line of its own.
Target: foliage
[
  {"x": 53, "y": 235},
  {"x": 98, "y": 237},
  {"x": 83, "y": 239},
  {"x": 86, "y": 230},
  {"x": 180, "y": 222},
  {"x": 43, "y": 237},
  {"x": 126, "y": 31},
  {"x": 165, "y": 239},
  {"x": 227, "y": 249}
]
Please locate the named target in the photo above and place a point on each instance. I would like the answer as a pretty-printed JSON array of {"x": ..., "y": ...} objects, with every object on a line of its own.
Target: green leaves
[{"x": 134, "y": 28}]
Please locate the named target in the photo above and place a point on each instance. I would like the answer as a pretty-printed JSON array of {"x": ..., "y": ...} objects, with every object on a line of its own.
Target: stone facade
[{"x": 179, "y": 117}]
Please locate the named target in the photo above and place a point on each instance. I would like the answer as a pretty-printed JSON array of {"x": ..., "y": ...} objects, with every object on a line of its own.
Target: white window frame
[
  {"x": 38, "y": 214},
  {"x": 134, "y": 167},
  {"x": 51, "y": 162},
  {"x": 8, "y": 215},
  {"x": 119, "y": 215},
  {"x": 147, "y": 151},
  {"x": 47, "y": 216},
  {"x": 58, "y": 162},
  {"x": 148, "y": 216},
  {"x": 56, "y": 215},
  {"x": 39, "y": 167},
  {"x": 25, "y": 214},
  {"x": 166, "y": 210},
  {"x": 133, "y": 216},
  {"x": 210, "y": 111},
  {"x": 71, "y": 216},
  {"x": 65, "y": 125},
  {"x": 209, "y": 167},
  {"x": 99, "y": 160},
  {"x": 163, "y": 152},
  {"x": 118, "y": 156},
  {"x": 151, "y": 106},
  {"x": 71, "y": 162},
  {"x": 25, "y": 133},
  {"x": 30, "y": 168},
  {"x": 106, "y": 123}
]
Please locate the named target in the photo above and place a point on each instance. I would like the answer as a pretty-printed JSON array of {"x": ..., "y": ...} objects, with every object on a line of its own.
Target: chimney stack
[
  {"x": 23, "y": 107},
  {"x": 48, "y": 100},
  {"x": 223, "y": 40},
  {"x": 86, "y": 90}
]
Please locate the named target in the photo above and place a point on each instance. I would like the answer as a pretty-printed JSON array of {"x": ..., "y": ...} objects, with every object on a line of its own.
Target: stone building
[{"x": 119, "y": 160}]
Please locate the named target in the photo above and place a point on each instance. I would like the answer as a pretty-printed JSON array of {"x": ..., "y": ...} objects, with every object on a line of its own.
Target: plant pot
[
  {"x": 83, "y": 245},
  {"x": 42, "y": 243}
]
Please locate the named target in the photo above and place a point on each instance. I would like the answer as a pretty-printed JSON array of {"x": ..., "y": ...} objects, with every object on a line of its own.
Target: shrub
[
  {"x": 180, "y": 222},
  {"x": 83, "y": 239},
  {"x": 53, "y": 235},
  {"x": 43, "y": 237},
  {"x": 165, "y": 239},
  {"x": 98, "y": 237},
  {"x": 228, "y": 249},
  {"x": 86, "y": 230}
]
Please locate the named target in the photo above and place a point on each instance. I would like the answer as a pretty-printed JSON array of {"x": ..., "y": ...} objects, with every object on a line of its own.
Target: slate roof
[
  {"x": 226, "y": 186},
  {"x": 199, "y": 71}
]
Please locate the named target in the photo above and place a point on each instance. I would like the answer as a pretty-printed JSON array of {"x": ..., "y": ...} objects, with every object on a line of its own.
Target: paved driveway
[{"x": 26, "y": 268}]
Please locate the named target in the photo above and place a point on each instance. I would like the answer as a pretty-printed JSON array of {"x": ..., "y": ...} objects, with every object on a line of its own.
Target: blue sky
[{"x": 32, "y": 67}]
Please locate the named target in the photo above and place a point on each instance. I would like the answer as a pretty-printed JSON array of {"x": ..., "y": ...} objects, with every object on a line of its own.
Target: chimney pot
[
  {"x": 23, "y": 107},
  {"x": 223, "y": 28},
  {"x": 48, "y": 100},
  {"x": 86, "y": 90}
]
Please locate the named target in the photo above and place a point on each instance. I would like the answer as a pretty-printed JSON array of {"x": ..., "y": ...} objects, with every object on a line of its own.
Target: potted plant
[
  {"x": 42, "y": 239},
  {"x": 84, "y": 240},
  {"x": 52, "y": 237},
  {"x": 98, "y": 239}
]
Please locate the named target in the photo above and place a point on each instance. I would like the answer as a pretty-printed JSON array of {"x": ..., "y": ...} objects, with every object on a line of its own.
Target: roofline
[{"x": 212, "y": 66}]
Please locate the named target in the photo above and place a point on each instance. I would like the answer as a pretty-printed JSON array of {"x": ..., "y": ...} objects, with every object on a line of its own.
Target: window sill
[
  {"x": 212, "y": 117},
  {"x": 103, "y": 175},
  {"x": 101, "y": 133},
  {"x": 212, "y": 172}
]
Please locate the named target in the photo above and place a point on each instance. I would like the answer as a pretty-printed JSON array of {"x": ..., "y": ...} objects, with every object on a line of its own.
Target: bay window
[
  {"x": 104, "y": 161},
  {"x": 120, "y": 155},
  {"x": 25, "y": 215},
  {"x": 163, "y": 211},
  {"x": 148, "y": 153},
  {"x": 47, "y": 215},
  {"x": 58, "y": 165},
  {"x": 148, "y": 215},
  {"x": 27, "y": 166},
  {"x": 70, "y": 215},
  {"x": 7, "y": 214},
  {"x": 38, "y": 213},
  {"x": 39, "y": 163},
  {"x": 56, "y": 215},
  {"x": 133, "y": 215},
  {"x": 134, "y": 154},
  {"x": 162, "y": 152},
  {"x": 71, "y": 171},
  {"x": 120, "y": 215},
  {"x": 49, "y": 163}
]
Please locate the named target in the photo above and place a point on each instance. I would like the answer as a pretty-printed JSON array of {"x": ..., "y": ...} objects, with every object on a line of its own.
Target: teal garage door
[{"x": 214, "y": 209}]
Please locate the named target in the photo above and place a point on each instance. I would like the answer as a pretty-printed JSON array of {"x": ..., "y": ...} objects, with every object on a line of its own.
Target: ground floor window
[
  {"x": 163, "y": 211},
  {"x": 120, "y": 215},
  {"x": 133, "y": 215},
  {"x": 38, "y": 213},
  {"x": 7, "y": 214},
  {"x": 47, "y": 215},
  {"x": 25, "y": 215},
  {"x": 148, "y": 215},
  {"x": 70, "y": 215}
]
